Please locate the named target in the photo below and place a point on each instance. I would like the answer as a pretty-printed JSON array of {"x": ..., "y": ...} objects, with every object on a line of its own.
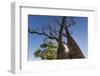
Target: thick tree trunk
[
  {"x": 74, "y": 50},
  {"x": 61, "y": 54}
]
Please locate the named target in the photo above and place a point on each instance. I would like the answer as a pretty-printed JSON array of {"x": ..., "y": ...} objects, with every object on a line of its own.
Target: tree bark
[
  {"x": 74, "y": 49},
  {"x": 61, "y": 54}
]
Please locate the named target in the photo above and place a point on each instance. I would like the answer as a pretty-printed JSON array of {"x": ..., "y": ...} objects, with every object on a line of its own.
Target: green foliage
[
  {"x": 48, "y": 51},
  {"x": 37, "y": 53}
]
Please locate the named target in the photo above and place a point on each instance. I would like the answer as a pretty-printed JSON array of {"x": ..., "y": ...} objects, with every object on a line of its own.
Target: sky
[{"x": 79, "y": 33}]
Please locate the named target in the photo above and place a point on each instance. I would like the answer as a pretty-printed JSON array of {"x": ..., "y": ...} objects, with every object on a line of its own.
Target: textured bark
[
  {"x": 74, "y": 49},
  {"x": 61, "y": 54}
]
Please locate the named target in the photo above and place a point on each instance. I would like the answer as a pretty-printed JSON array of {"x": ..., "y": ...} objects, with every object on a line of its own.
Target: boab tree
[{"x": 55, "y": 33}]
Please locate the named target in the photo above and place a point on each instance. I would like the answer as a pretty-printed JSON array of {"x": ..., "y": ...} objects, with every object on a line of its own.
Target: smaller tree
[
  {"x": 48, "y": 51},
  {"x": 37, "y": 53}
]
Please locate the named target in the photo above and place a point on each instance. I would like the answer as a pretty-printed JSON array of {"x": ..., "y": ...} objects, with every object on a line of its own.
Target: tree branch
[{"x": 42, "y": 33}]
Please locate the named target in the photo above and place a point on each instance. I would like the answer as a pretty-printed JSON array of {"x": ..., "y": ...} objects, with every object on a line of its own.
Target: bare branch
[
  {"x": 57, "y": 21},
  {"x": 69, "y": 22},
  {"x": 42, "y": 33}
]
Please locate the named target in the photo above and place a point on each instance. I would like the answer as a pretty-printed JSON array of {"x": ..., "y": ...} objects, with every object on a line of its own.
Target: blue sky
[{"x": 79, "y": 33}]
